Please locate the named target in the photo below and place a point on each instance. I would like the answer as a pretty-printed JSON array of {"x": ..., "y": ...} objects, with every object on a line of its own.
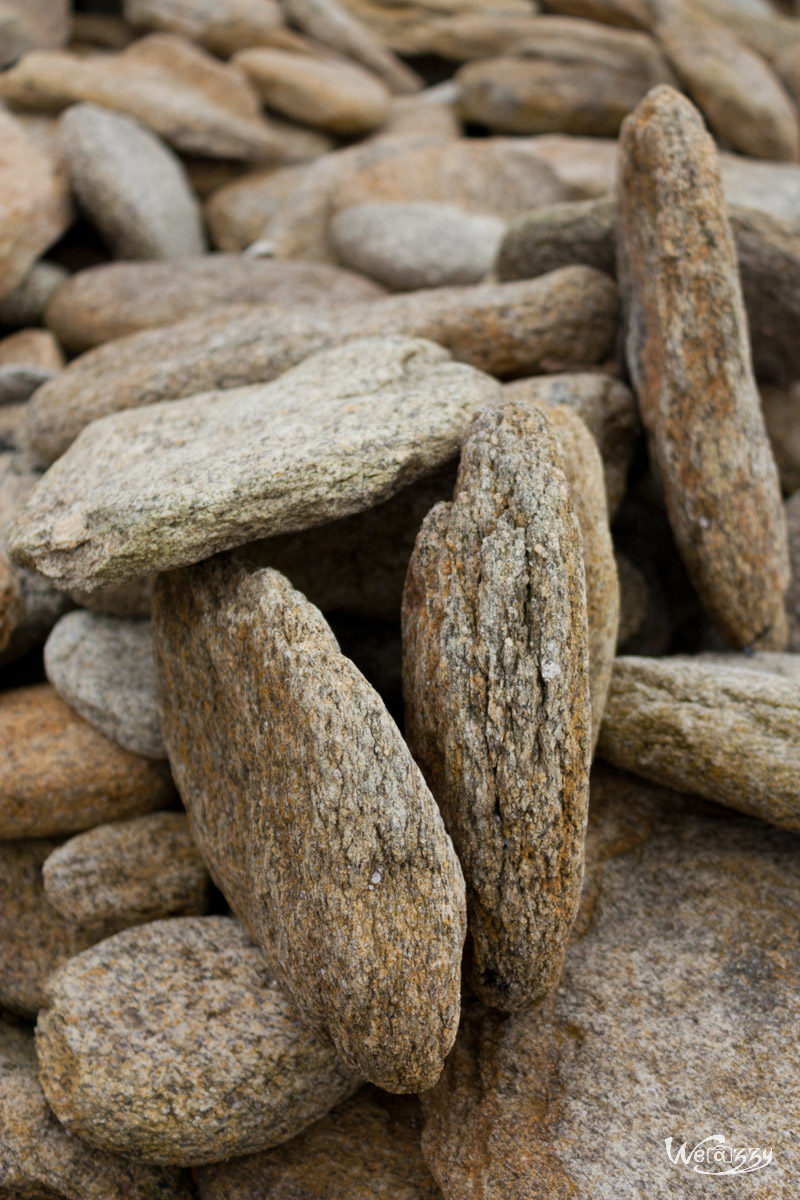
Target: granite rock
[
  {"x": 171, "y": 1043},
  {"x": 221, "y": 26},
  {"x": 564, "y": 320},
  {"x": 132, "y": 187},
  {"x": 103, "y": 667},
  {"x": 687, "y": 349},
  {"x": 496, "y": 687},
  {"x": 59, "y": 775},
  {"x": 698, "y": 726},
  {"x": 128, "y": 872},
  {"x": 354, "y": 890}
]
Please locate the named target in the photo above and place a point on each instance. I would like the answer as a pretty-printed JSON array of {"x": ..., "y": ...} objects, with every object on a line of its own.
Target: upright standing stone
[{"x": 687, "y": 349}]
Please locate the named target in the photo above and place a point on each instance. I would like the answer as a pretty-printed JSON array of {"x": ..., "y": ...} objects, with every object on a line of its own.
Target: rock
[
  {"x": 564, "y": 320},
  {"x": 781, "y": 410},
  {"x": 354, "y": 891},
  {"x": 739, "y": 94},
  {"x": 128, "y": 872},
  {"x": 38, "y": 1158},
  {"x": 430, "y": 113},
  {"x": 27, "y": 360},
  {"x": 699, "y": 405},
  {"x": 606, "y": 407},
  {"x": 114, "y": 299},
  {"x": 773, "y": 662},
  {"x": 12, "y": 420},
  {"x": 409, "y": 246},
  {"x": 553, "y": 235},
  {"x": 708, "y": 729},
  {"x": 131, "y": 186},
  {"x": 570, "y": 77},
  {"x": 34, "y": 203},
  {"x": 94, "y": 31},
  {"x": 496, "y": 687},
  {"x": 793, "y": 594},
  {"x": 144, "y": 1033},
  {"x": 584, "y": 166},
  {"x": 32, "y": 25},
  {"x": 369, "y": 1146},
  {"x": 638, "y": 1044},
  {"x": 633, "y": 599},
  {"x": 131, "y": 599},
  {"x": 221, "y": 26},
  {"x": 103, "y": 667},
  {"x": 787, "y": 64},
  {"x": 342, "y": 431},
  {"x": 405, "y": 28},
  {"x": 237, "y": 211},
  {"x": 197, "y": 104},
  {"x": 770, "y": 187},
  {"x": 583, "y": 469},
  {"x": 25, "y": 304},
  {"x": 339, "y": 97},
  {"x": 60, "y": 775},
  {"x": 34, "y": 937}
]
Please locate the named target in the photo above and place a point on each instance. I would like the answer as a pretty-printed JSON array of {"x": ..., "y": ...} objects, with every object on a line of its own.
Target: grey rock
[
  {"x": 171, "y": 1043},
  {"x": 132, "y": 187},
  {"x": 408, "y": 246},
  {"x": 353, "y": 889},
  {"x": 18, "y": 383},
  {"x": 103, "y": 667}
]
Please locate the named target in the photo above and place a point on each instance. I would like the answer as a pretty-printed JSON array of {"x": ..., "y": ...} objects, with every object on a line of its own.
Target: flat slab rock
[
  {"x": 496, "y": 686},
  {"x": 334, "y": 856},
  {"x": 670, "y": 1022},
  {"x": 170, "y": 484},
  {"x": 148, "y": 1037}
]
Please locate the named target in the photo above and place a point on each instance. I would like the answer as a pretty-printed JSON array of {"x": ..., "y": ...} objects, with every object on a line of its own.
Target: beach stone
[
  {"x": 194, "y": 102},
  {"x": 354, "y": 891},
  {"x": 144, "y": 1033},
  {"x": 103, "y": 667},
  {"x": 35, "y": 206},
  {"x": 39, "y": 1159},
  {"x": 330, "y": 23},
  {"x": 405, "y": 28},
  {"x": 605, "y": 405},
  {"x": 221, "y": 26},
  {"x": 409, "y": 246},
  {"x": 59, "y": 775},
  {"x": 430, "y": 112},
  {"x": 32, "y": 25},
  {"x": 548, "y": 237},
  {"x": 708, "y": 729},
  {"x": 28, "y": 359},
  {"x": 564, "y": 320},
  {"x": 342, "y": 431},
  {"x": 366, "y": 1147},
  {"x": 132, "y": 187},
  {"x": 638, "y": 1044},
  {"x": 496, "y": 688},
  {"x": 699, "y": 406},
  {"x": 24, "y": 305},
  {"x": 770, "y": 187},
  {"x": 128, "y": 872},
  {"x": 336, "y": 96},
  {"x": 773, "y": 662},
  {"x": 793, "y": 595},
  {"x": 781, "y": 411},
  {"x": 112, "y": 300}
]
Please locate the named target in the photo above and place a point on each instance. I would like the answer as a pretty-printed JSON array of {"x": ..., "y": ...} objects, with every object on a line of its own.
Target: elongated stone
[
  {"x": 171, "y": 1043},
  {"x": 158, "y": 487},
  {"x": 495, "y": 678},
  {"x": 334, "y": 856},
  {"x": 687, "y": 350}
]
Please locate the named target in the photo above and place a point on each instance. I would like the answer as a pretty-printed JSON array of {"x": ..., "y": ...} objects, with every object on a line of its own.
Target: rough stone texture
[
  {"x": 576, "y": 231},
  {"x": 197, "y": 104},
  {"x": 781, "y": 412},
  {"x": 496, "y": 686},
  {"x": 564, "y": 320},
  {"x": 606, "y": 407},
  {"x": 687, "y": 349},
  {"x": 728, "y": 736},
  {"x": 358, "y": 564},
  {"x": 59, "y": 775},
  {"x": 35, "y": 206},
  {"x": 354, "y": 890},
  {"x": 793, "y": 594},
  {"x": 330, "y": 23},
  {"x": 570, "y": 77},
  {"x": 342, "y": 431},
  {"x": 679, "y": 985},
  {"x": 115, "y": 299},
  {"x": 171, "y": 1043},
  {"x": 339, "y": 97},
  {"x": 583, "y": 469},
  {"x": 132, "y": 187},
  {"x": 773, "y": 662},
  {"x": 221, "y": 26},
  {"x": 128, "y": 872},
  {"x": 367, "y": 1148},
  {"x": 103, "y": 667},
  {"x": 39, "y": 1160},
  {"x": 408, "y": 246},
  {"x": 25, "y": 304},
  {"x": 32, "y": 25},
  {"x": 405, "y": 27}
]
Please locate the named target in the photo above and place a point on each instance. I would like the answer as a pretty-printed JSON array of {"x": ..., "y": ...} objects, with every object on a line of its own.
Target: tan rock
[
  {"x": 405, "y": 28},
  {"x": 237, "y": 211},
  {"x": 27, "y": 25},
  {"x": 28, "y": 359},
  {"x": 144, "y": 1034},
  {"x": 92, "y": 31},
  {"x": 496, "y": 688},
  {"x": 221, "y": 26},
  {"x": 353, "y": 890},
  {"x": 687, "y": 350},
  {"x": 59, "y": 775},
  {"x": 329, "y": 22},
  {"x": 25, "y": 304},
  {"x": 430, "y": 113}
]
